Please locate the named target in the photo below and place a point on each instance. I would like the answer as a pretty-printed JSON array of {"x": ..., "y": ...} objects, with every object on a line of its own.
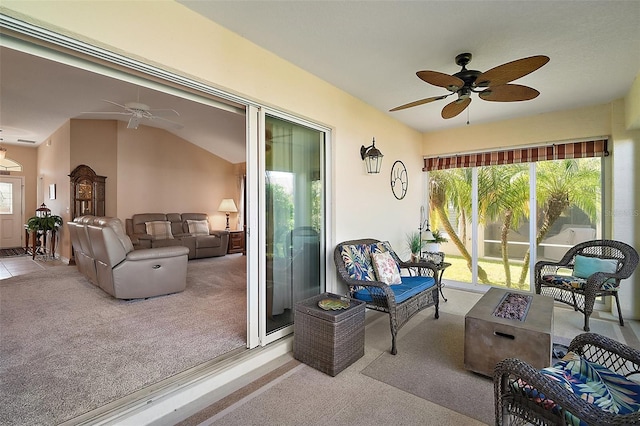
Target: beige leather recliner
[
  {"x": 128, "y": 274},
  {"x": 83, "y": 253}
]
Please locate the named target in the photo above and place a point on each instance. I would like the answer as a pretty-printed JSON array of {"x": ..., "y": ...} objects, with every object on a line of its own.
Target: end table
[{"x": 236, "y": 242}]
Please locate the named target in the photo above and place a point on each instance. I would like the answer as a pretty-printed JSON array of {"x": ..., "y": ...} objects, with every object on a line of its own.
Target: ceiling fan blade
[
  {"x": 440, "y": 79},
  {"x": 106, "y": 113},
  {"x": 420, "y": 102},
  {"x": 509, "y": 93},
  {"x": 510, "y": 71},
  {"x": 454, "y": 108},
  {"x": 116, "y": 104},
  {"x": 170, "y": 123},
  {"x": 164, "y": 111}
]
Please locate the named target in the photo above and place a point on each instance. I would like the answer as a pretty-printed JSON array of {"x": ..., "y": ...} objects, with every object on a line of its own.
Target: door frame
[{"x": 21, "y": 220}]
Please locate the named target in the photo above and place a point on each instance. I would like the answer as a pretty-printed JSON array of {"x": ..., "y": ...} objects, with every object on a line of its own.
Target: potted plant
[
  {"x": 44, "y": 223},
  {"x": 433, "y": 245},
  {"x": 414, "y": 242},
  {"x": 40, "y": 225}
]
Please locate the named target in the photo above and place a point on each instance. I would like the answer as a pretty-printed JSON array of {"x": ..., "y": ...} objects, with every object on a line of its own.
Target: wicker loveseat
[
  {"x": 597, "y": 383},
  {"x": 401, "y": 301}
]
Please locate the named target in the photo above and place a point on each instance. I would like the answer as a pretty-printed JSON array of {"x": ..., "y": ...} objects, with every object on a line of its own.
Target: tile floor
[{"x": 20, "y": 265}]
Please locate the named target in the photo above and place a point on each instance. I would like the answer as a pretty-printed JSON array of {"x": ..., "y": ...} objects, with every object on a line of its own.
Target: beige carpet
[
  {"x": 68, "y": 347},
  {"x": 430, "y": 364}
]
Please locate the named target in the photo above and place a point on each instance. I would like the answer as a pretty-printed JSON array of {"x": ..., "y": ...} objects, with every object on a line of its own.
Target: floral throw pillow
[
  {"x": 386, "y": 268},
  {"x": 357, "y": 260},
  {"x": 381, "y": 247}
]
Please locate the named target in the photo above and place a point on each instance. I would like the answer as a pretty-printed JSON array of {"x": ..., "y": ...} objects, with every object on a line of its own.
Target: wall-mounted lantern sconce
[{"x": 372, "y": 157}]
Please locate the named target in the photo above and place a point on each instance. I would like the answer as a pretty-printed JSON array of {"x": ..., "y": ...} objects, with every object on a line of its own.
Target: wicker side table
[{"x": 328, "y": 340}]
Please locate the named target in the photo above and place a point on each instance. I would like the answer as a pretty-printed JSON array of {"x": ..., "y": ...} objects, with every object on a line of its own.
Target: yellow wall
[
  {"x": 53, "y": 168},
  {"x": 575, "y": 124},
  {"x": 632, "y": 106},
  {"x": 160, "y": 172},
  {"x": 95, "y": 144}
]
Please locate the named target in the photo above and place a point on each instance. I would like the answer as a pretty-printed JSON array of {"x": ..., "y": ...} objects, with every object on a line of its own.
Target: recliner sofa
[
  {"x": 105, "y": 255},
  {"x": 190, "y": 230}
]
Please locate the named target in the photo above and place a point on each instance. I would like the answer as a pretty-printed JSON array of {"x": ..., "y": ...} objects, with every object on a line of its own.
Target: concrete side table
[{"x": 489, "y": 339}]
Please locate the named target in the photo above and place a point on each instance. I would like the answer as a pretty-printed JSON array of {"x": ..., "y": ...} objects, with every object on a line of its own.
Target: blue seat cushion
[{"x": 410, "y": 287}]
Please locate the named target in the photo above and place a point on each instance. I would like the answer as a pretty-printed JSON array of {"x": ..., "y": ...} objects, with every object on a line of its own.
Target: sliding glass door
[{"x": 294, "y": 224}]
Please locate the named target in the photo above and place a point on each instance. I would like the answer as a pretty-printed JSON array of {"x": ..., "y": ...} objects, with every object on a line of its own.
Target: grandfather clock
[{"x": 87, "y": 192}]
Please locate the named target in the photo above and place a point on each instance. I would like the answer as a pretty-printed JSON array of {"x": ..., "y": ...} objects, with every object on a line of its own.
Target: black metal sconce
[{"x": 372, "y": 157}]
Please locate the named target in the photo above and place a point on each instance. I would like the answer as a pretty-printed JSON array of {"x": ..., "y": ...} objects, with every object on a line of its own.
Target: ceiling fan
[
  {"x": 139, "y": 111},
  {"x": 492, "y": 85}
]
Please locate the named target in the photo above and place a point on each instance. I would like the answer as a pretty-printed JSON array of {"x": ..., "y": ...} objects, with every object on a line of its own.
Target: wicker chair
[
  {"x": 579, "y": 292},
  {"x": 523, "y": 394},
  {"x": 381, "y": 296}
]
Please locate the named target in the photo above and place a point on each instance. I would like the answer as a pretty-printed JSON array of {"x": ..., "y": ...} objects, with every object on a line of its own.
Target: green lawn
[{"x": 458, "y": 271}]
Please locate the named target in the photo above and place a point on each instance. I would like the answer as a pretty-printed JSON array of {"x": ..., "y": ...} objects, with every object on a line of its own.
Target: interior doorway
[{"x": 11, "y": 211}]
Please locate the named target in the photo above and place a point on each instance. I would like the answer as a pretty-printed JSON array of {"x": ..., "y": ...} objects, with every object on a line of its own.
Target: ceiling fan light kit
[{"x": 492, "y": 85}]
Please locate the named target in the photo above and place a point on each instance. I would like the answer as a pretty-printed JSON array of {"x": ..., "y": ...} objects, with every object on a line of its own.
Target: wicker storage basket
[{"x": 328, "y": 340}]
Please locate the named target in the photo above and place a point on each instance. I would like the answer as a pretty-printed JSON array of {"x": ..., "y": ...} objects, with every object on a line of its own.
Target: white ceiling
[{"x": 371, "y": 49}]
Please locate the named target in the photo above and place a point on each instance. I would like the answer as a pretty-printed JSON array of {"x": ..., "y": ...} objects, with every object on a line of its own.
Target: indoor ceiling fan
[
  {"x": 139, "y": 111},
  {"x": 492, "y": 85}
]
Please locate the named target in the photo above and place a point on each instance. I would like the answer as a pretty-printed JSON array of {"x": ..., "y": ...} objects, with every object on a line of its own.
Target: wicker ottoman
[{"x": 328, "y": 340}]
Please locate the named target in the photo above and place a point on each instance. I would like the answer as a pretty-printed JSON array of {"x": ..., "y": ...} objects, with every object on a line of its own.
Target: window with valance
[
  {"x": 503, "y": 210},
  {"x": 559, "y": 151}
]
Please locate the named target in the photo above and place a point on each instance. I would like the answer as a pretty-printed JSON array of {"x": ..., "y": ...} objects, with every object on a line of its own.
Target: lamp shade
[
  {"x": 3, "y": 152},
  {"x": 428, "y": 235},
  {"x": 228, "y": 206}
]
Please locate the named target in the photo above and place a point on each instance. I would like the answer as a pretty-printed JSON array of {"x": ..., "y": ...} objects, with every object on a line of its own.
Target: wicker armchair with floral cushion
[
  {"x": 588, "y": 270},
  {"x": 596, "y": 383},
  {"x": 371, "y": 270}
]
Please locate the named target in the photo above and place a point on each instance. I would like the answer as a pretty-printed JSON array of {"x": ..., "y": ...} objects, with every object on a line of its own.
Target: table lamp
[{"x": 227, "y": 206}]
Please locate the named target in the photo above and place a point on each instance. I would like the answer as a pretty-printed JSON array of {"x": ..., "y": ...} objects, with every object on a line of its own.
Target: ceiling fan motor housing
[{"x": 137, "y": 106}]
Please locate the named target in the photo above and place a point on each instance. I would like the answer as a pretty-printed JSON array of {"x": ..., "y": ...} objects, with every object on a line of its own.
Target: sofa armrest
[
  {"x": 219, "y": 233},
  {"x": 157, "y": 253}
]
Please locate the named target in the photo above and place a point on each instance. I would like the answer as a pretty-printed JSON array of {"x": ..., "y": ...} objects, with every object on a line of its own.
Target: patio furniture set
[{"x": 597, "y": 382}]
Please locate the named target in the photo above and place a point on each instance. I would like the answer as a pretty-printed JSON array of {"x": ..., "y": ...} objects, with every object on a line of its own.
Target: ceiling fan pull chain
[{"x": 468, "y": 115}]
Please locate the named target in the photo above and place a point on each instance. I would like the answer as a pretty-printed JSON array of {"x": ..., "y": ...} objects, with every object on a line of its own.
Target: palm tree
[
  {"x": 561, "y": 184},
  {"x": 453, "y": 187},
  {"x": 503, "y": 193}
]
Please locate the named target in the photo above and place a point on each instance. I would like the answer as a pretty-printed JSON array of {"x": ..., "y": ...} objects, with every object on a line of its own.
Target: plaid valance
[{"x": 595, "y": 148}]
